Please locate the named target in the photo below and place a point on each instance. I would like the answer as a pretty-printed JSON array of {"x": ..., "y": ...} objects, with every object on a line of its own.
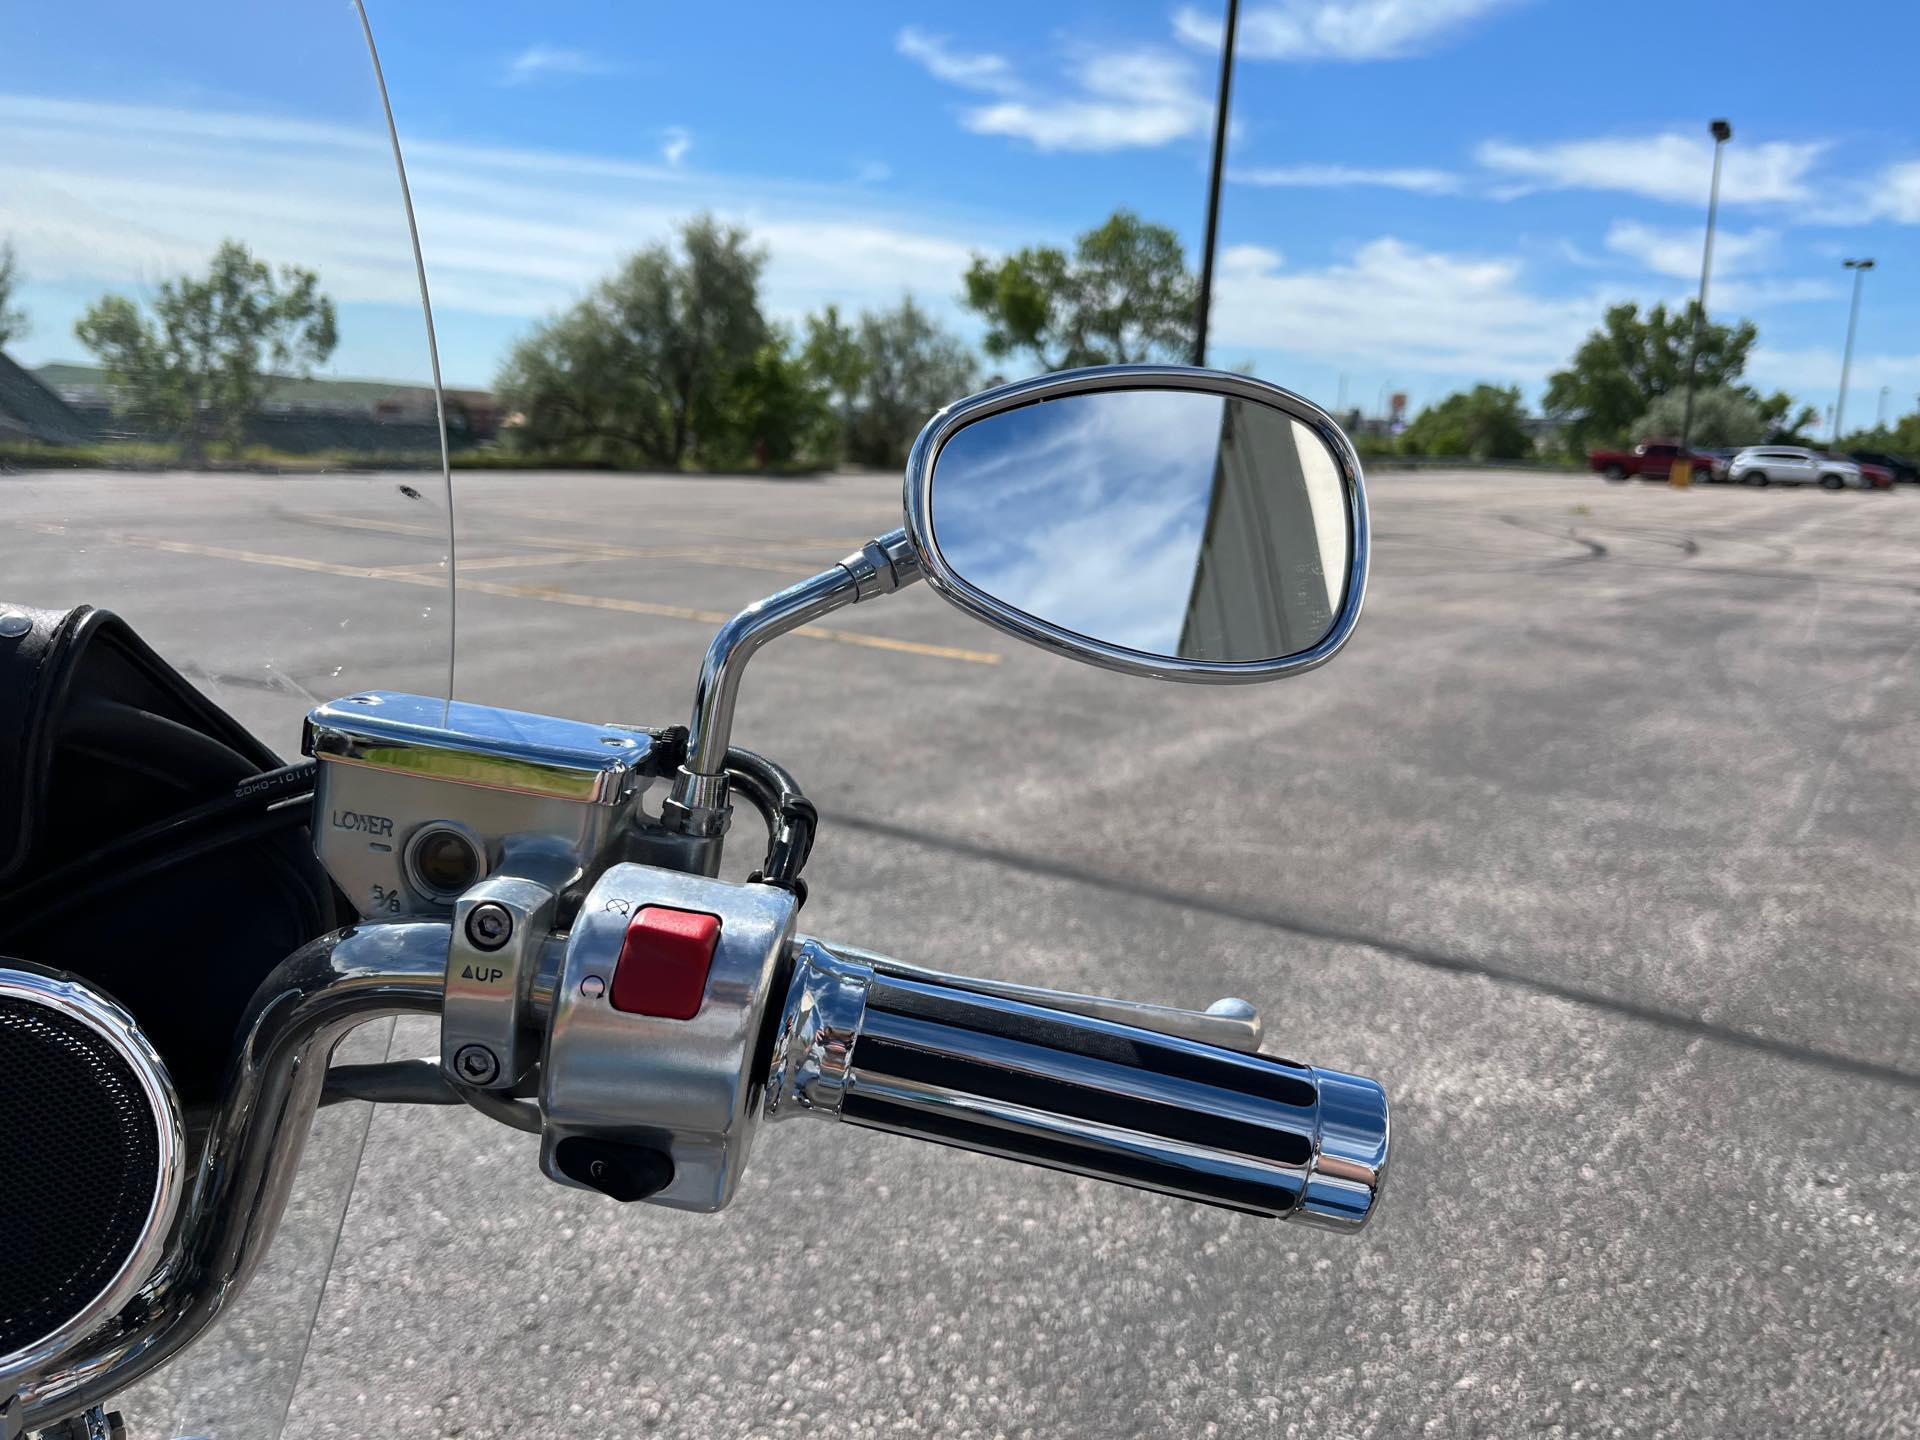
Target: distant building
[
  {"x": 1545, "y": 431},
  {"x": 302, "y": 416},
  {"x": 29, "y": 410}
]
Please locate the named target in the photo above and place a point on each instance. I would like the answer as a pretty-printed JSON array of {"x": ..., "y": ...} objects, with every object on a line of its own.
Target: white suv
[{"x": 1789, "y": 465}]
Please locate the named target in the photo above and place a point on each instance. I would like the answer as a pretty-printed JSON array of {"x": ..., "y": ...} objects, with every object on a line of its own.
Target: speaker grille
[{"x": 79, "y": 1166}]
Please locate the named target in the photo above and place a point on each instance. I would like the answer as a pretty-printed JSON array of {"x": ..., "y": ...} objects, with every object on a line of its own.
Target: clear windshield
[
  {"x": 217, "y": 410},
  {"x": 218, "y": 418}
]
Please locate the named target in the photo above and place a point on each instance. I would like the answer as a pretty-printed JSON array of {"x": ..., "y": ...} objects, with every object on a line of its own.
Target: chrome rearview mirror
[{"x": 1189, "y": 524}]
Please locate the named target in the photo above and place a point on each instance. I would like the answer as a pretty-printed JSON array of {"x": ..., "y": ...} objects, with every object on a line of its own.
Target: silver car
[{"x": 1791, "y": 465}]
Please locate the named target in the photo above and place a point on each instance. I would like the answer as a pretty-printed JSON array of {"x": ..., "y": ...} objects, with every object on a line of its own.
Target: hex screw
[
  {"x": 489, "y": 926},
  {"x": 476, "y": 1064}
]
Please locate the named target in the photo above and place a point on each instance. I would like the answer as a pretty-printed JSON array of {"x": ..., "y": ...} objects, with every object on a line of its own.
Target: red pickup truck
[{"x": 1651, "y": 460}]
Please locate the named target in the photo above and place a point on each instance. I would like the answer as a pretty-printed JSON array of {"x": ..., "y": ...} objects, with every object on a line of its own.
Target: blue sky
[{"x": 1422, "y": 193}]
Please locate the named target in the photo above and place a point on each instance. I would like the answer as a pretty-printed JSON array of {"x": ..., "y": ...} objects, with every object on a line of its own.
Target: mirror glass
[{"x": 1171, "y": 522}]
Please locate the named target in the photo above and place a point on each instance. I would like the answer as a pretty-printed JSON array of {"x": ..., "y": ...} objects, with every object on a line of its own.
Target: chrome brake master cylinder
[{"x": 416, "y": 801}]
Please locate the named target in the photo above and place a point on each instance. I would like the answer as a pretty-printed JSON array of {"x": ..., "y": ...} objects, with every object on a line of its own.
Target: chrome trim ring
[
  {"x": 1022, "y": 626},
  {"x": 79, "y": 1002},
  {"x": 416, "y": 878}
]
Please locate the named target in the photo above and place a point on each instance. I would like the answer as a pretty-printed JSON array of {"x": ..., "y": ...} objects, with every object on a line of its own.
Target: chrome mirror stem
[{"x": 698, "y": 804}]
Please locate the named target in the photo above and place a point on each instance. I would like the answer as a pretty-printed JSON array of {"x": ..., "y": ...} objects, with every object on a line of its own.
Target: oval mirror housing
[{"x": 1189, "y": 524}]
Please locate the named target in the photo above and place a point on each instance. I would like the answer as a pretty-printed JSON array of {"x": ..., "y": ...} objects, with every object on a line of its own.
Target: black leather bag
[{"x": 107, "y": 756}]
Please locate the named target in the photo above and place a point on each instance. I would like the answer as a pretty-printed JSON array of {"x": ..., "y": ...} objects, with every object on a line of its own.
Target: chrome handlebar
[
  {"x": 986, "y": 1066},
  {"x": 892, "y": 1048},
  {"x": 252, "y": 1151}
]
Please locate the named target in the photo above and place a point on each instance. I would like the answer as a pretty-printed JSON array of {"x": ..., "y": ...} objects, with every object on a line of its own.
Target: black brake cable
[
  {"x": 791, "y": 818},
  {"x": 770, "y": 788}
]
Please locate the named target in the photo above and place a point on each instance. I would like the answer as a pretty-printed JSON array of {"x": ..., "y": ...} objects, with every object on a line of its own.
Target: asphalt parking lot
[{"x": 1600, "y": 846}]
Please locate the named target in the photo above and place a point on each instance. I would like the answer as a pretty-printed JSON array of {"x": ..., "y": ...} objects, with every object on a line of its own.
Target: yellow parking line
[
  {"x": 406, "y": 575},
  {"x": 720, "y": 617},
  {"x": 492, "y": 562},
  {"x": 722, "y": 551},
  {"x": 598, "y": 556},
  {"x": 253, "y": 557}
]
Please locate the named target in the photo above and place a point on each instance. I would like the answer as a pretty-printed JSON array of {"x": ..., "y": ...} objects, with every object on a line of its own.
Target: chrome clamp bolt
[
  {"x": 476, "y": 1064},
  {"x": 489, "y": 926}
]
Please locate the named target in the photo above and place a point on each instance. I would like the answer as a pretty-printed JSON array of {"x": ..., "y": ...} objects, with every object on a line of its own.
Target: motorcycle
[
  {"x": 598, "y": 984},
  {"x": 549, "y": 892}
]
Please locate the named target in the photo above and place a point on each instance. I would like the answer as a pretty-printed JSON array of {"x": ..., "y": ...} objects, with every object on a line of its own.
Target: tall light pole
[
  {"x": 1721, "y": 132},
  {"x": 1213, "y": 184},
  {"x": 1859, "y": 269}
]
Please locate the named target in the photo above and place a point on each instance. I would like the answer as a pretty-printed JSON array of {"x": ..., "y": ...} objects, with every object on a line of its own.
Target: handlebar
[{"x": 891, "y": 1048}]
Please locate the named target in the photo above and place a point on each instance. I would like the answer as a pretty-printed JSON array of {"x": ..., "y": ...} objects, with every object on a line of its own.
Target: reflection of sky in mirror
[
  {"x": 1170, "y": 522},
  {"x": 1087, "y": 511}
]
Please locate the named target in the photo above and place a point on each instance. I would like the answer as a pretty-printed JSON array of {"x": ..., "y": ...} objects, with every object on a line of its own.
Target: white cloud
[
  {"x": 1893, "y": 194},
  {"x": 975, "y": 71},
  {"x": 1401, "y": 308},
  {"x": 1668, "y": 166},
  {"x": 1420, "y": 182},
  {"x": 1338, "y": 29},
  {"x": 1737, "y": 256},
  {"x": 1118, "y": 99},
  {"x": 1897, "y": 192},
  {"x": 103, "y": 195},
  {"x": 674, "y": 148},
  {"x": 1759, "y": 292},
  {"x": 1250, "y": 258},
  {"x": 537, "y": 62},
  {"x": 1816, "y": 370},
  {"x": 1678, "y": 252}
]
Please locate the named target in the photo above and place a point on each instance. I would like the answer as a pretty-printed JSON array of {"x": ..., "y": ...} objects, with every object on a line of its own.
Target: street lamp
[
  {"x": 1721, "y": 132},
  {"x": 1213, "y": 184},
  {"x": 1859, "y": 269}
]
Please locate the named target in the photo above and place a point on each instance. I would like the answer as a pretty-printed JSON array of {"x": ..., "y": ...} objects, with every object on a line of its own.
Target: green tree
[
  {"x": 1631, "y": 361},
  {"x": 1124, "y": 296},
  {"x": 1722, "y": 415},
  {"x": 1784, "y": 424},
  {"x": 641, "y": 370},
  {"x": 773, "y": 411},
  {"x": 1904, "y": 436},
  {"x": 1484, "y": 423},
  {"x": 910, "y": 369},
  {"x": 832, "y": 356},
  {"x": 13, "y": 320},
  {"x": 205, "y": 360}
]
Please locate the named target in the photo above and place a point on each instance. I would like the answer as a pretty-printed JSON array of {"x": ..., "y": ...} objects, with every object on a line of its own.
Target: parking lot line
[
  {"x": 739, "y": 555},
  {"x": 720, "y": 617},
  {"x": 410, "y": 575}
]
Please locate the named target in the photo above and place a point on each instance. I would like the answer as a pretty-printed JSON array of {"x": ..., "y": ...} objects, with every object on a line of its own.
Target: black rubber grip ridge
[{"x": 1262, "y": 1076}]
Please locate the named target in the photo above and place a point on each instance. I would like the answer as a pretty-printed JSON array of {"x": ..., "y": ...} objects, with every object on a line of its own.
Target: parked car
[
  {"x": 1877, "y": 476},
  {"x": 1722, "y": 459},
  {"x": 1904, "y": 470},
  {"x": 1650, "y": 460},
  {"x": 1791, "y": 465}
]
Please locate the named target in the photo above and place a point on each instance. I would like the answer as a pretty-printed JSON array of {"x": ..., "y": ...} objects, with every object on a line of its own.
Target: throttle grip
[{"x": 905, "y": 1052}]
